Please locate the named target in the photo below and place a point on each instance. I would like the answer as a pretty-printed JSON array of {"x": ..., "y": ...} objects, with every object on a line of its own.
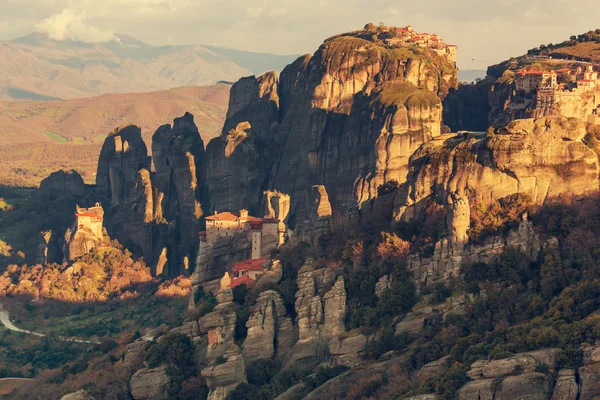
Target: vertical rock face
[
  {"x": 61, "y": 184},
  {"x": 150, "y": 384},
  {"x": 320, "y": 303},
  {"x": 224, "y": 377},
  {"x": 124, "y": 177},
  {"x": 270, "y": 329},
  {"x": 356, "y": 112},
  {"x": 346, "y": 118},
  {"x": 458, "y": 219},
  {"x": 156, "y": 214},
  {"x": 178, "y": 157},
  {"x": 226, "y": 367},
  {"x": 544, "y": 159},
  {"x": 239, "y": 161},
  {"x": 219, "y": 325}
]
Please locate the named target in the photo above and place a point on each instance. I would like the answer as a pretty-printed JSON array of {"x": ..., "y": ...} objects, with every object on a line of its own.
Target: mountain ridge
[{"x": 35, "y": 67}]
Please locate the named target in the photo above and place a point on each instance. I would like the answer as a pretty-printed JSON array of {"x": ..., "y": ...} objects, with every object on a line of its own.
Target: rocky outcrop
[
  {"x": 522, "y": 362},
  {"x": 124, "y": 178},
  {"x": 150, "y": 384},
  {"x": 219, "y": 325},
  {"x": 225, "y": 374},
  {"x": 80, "y": 395},
  {"x": 320, "y": 302},
  {"x": 178, "y": 188},
  {"x": 346, "y": 119},
  {"x": 520, "y": 377},
  {"x": 270, "y": 329},
  {"x": 544, "y": 159},
  {"x": 347, "y": 349},
  {"x": 321, "y": 308},
  {"x": 330, "y": 140},
  {"x": 447, "y": 259},
  {"x": 239, "y": 161},
  {"x": 61, "y": 184},
  {"x": 156, "y": 215},
  {"x": 566, "y": 387},
  {"x": 213, "y": 261}
]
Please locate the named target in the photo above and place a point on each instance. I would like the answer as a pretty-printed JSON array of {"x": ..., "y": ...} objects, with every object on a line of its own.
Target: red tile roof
[
  {"x": 242, "y": 280},
  {"x": 88, "y": 215},
  {"x": 535, "y": 72},
  {"x": 224, "y": 216},
  {"x": 249, "y": 265}
]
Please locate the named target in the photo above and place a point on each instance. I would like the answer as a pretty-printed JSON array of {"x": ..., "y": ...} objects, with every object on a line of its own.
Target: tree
[{"x": 388, "y": 187}]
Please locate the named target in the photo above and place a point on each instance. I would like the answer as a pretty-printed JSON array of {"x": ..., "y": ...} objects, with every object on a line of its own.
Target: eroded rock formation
[
  {"x": 321, "y": 309},
  {"x": 544, "y": 159},
  {"x": 239, "y": 161},
  {"x": 270, "y": 329},
  {"x": 178, "y": 183},
  {"x": 150, "y": 384},
  {"x": 60, "y": 184}
]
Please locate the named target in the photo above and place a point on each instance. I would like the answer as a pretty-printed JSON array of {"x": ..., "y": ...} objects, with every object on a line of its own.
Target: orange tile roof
[
  {"x": 242, "y": 280},
  {"x": 224, "y": 216},
  {"x": 248, "y": 265},
  {"x": 88, "y": 215},
  {"x": 534, "y": 72}
]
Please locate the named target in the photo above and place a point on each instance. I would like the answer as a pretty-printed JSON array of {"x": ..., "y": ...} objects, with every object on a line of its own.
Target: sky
[{"x": 485, "y": 31}]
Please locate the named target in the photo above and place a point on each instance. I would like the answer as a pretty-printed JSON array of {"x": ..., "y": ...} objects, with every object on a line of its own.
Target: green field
[{"x": 57, "y": 138}]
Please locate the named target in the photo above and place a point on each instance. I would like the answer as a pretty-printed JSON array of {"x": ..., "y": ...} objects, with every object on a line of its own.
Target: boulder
[
  {"x": 530, "y": 386},
  {"x": 80, "y": 395},
  {"x": 480, "y": 389},
  {"x": 566, "y": 387},
  {"x": 589, "y": 378},
  {"x": 351, "y": 344},
  {"x": 434, "y": 369},
  {"x": 522, "y": 362},
  {"x": 150, "y": 384}
]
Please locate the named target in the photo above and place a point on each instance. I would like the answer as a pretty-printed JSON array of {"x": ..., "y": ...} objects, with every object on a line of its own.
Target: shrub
[{"x": 388, "y": 187}]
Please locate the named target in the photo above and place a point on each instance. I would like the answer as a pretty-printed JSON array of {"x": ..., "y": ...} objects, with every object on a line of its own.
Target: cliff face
[
  {"x": 238, "y": 162},
  {"x": 347, "y": 118},
  {"x": 357, "y": 110},
  {"x": 155, "y": 214},
  {"x": 544, "y": 159},
  {"x": 124, "y": 178},
  {"x": 178, "y": 157}
]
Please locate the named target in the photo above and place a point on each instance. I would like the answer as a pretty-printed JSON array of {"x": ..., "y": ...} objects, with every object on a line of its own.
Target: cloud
[{"x": 71, "y": 25}]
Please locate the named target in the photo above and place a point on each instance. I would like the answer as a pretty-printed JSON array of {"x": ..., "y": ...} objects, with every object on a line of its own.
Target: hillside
[
  {"x": 38, "y": 137},
  {"x": 339, "y": 240},
  {"x": 35, "y": 67}
]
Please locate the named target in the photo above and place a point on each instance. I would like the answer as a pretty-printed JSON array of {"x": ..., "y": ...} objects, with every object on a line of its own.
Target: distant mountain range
[
  {"x": 469, "y": 75},
  {"x": 35, "y": 67}
]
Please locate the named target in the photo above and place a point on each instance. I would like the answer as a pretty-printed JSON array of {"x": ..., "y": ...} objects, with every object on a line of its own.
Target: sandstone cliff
[
  {"x": 239, "y": 161},
  {"x": 156, "y": 215},
  {"x": 178, "y": 188},
  {"x": 347, "y": 118},
  {"x": 124, "y": 177},
  {"x": 544, "y": 159}
]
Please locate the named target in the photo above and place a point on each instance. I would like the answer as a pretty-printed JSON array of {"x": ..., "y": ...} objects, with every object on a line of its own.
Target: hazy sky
[{"x": 486, "y": 31}]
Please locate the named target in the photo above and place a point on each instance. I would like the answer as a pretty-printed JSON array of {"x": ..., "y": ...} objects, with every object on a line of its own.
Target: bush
[
  {"x": 176, "y": 351},
  {"x": 388, "y": 187}
]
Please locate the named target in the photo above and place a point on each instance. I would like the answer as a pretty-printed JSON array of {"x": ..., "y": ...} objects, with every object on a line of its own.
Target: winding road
[{"x": 4, "y": 318}]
